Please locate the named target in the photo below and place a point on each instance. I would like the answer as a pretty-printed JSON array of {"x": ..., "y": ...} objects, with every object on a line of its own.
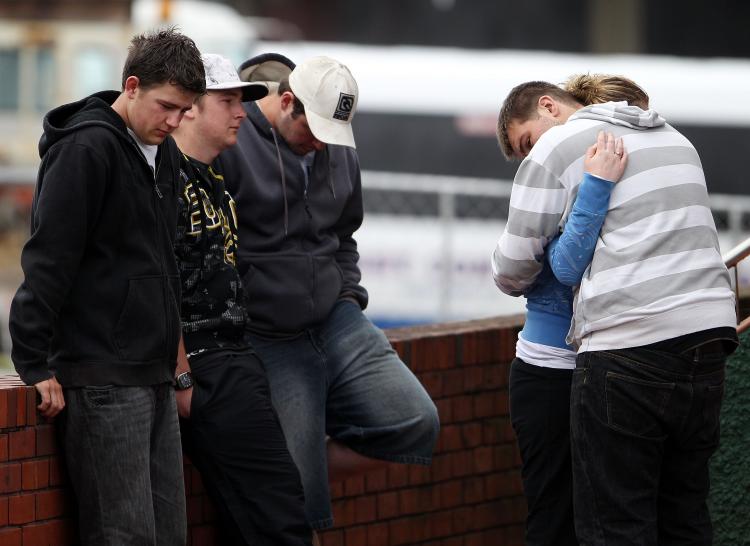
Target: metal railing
[{"x": 732, "y": 260}]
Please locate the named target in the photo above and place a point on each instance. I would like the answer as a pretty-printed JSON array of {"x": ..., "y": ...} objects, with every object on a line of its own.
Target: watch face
[{"x": 184, "y": 381}]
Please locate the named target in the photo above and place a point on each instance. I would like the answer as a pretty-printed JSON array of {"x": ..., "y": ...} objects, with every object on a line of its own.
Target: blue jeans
[
  {"x": 343, "y": 379},
  {"x": 123, "y": 454},
  {"x": 644, "y": 424}
]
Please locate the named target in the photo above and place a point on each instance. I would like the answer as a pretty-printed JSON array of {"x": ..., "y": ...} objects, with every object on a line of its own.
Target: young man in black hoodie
[
  {"x": 296, "y": 178},
  {"x": 230, "y": 428},
  {"x": 95, "y": 323}
]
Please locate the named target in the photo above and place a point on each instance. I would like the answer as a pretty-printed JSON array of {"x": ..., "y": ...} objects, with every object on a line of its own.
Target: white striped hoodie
[{"x": 657, "y": 271}]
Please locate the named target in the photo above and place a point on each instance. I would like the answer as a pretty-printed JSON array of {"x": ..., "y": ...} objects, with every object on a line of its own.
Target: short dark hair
[
  {"x": 520, "y": 106},
  {"x": 165, "y": 56},
  {"x": 298, "y": 108}
]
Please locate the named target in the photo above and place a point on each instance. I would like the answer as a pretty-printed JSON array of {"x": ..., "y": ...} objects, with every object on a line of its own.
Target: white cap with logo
[
  {"x": 329, "y": 93},
  {"x": 221, "y": 74}
]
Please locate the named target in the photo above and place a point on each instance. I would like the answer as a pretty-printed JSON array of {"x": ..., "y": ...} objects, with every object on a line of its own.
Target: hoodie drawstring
[{"x": 283, "y": 182}]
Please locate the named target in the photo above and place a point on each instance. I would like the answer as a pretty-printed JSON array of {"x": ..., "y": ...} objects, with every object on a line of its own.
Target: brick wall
[{"x": 469, "y": 496}]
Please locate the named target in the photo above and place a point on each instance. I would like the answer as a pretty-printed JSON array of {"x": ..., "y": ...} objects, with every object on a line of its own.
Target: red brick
[
  {"x": 420, "y": 474},
  {"x": 336, "y": 489},
  {"x": 46, "y": 442},
  {"x": 10, "y": 477},
  {"x": 387, "y": 505},
  {"x": 461, "y": 463},
  {"x": 35, "y": 474},
  {"x": 398, "y": 475},
  {"x": 445, "y": 410},
  {"x": 377, "y": 480},
  {"x": 400, "y": 531},
  {"x": 440, "y": 525},
  {"x": 483, "y": 459},
  {"x": 57, "y": 473},
  {"x": 463, "y": 408},
  {"x": 355, "y": 535},
  {"x": 432, "y": 382},
  {"x": 461, "y": 519},
  {"x": 471, "y": 434},
  {"x": 364, "y": 509},
  {"x": 447, "y": 494},
  {"x": 21, "y": 509},
  {"x": 52, "y": 503},
  {"x": 449, "y": 439},
  {"x": 473, "y": 490},
  {"x": 332, "y": 538},
  {"x": 11, "y": 536},
  {"x": 441, "y": 467},
  {"x": 377, "y": 534},
  {"x": 354, "y": 486},
  {"x": 3, "y": 512},
  {"x": 504, "y": 457},
  {"x": 56, "y": 532},
  {"x": 22, "y": 444},
  {"x": 454, "y": 541},
  {"x": 344, "y": 512},
  {"x": 433, "y": 353},
  {"x": 3, "y": 447},
  {"x": 486, "y": 404},
  {"x": 31, "y": 412},
  {"x": 8, "y": 398},
  {"x": 203, "y": 535}
]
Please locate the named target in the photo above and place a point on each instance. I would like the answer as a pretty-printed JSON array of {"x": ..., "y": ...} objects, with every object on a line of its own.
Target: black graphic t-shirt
[{"x": 211, "y": 309}]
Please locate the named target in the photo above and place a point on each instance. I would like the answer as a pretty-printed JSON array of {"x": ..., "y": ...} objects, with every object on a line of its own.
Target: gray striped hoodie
[{"x": 657, "y": 271}]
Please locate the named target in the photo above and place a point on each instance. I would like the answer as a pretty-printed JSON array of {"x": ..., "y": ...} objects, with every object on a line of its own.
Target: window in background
[
  {"x": 93, "y": 71},
  {"x": 9, "y": 78},
  {"x": 45, "y": 79}
]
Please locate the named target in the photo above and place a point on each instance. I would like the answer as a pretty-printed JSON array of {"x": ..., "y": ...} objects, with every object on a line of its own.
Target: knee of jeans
[{"x": 426, "y": 429}]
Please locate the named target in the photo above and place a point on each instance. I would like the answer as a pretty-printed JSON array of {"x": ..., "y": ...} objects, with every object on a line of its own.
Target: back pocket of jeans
[{"x": 637, "y": 406}]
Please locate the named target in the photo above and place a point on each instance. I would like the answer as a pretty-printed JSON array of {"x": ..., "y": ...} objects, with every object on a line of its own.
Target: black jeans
[
  {"x": 235, "y": 440},
  {"x": 539, "y": 412},
  {"x": 644, "y": 424}
]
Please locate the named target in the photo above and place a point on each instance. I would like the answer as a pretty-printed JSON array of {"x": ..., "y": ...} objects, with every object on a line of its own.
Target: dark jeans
[
  {"x": 235, "y": 440},
  {"x": 539, "y": 412},
  {"x": 644, "y": 426},
  {"x": 123, "y": 453}
]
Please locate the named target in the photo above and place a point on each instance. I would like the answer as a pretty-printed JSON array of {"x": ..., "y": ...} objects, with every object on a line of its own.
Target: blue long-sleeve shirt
[{"x": 549, "y": 301}]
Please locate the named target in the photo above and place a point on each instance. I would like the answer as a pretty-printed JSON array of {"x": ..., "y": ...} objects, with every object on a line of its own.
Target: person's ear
[
  {"x": 547, "y": 104},
  {"x": 131, "y": 85},
  {"x": 287, "y": 100}
]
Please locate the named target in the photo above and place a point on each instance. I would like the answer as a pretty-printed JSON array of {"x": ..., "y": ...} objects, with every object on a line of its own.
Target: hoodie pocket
[{"x": 141, "y": 332}]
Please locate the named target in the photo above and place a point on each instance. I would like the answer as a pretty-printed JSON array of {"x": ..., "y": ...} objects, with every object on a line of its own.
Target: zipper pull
[{"x": 158, "y": 191}]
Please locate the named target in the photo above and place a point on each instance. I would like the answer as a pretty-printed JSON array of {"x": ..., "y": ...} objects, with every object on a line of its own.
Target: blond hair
[{"x": 597, "y": 88}]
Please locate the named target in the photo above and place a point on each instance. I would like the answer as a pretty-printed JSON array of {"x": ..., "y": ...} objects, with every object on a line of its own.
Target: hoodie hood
[
  {"x": 620, "y": 113},
  {"x": 93, "y": 110}
]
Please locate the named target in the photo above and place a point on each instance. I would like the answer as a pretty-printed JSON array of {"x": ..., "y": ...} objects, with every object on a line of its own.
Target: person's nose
[{"x": 173, "y": 120}]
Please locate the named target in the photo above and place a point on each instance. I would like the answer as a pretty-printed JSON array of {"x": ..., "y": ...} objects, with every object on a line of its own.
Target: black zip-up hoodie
[
  {"x": 98, "y": 302},
  {"x": 297, "y": 253}
]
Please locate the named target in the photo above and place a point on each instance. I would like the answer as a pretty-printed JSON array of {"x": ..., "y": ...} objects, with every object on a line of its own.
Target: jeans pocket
[
  {"x": 98, "y": 396},
  {"x": 637, "y": 406}
]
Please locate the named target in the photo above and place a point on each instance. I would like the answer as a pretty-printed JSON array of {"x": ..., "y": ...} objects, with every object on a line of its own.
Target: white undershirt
[
  {"x": 149, "y": 150},
  {"x": 544, "y": 355}
]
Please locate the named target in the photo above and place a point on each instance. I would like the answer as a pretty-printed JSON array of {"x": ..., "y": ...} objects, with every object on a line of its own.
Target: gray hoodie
[{"x": 297, "y": 254}]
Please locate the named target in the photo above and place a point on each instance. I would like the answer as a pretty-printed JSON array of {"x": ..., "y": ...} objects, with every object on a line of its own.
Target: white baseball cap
[
  {"x": 329, "y": 93},
  {"x": 221, "y": 74}
]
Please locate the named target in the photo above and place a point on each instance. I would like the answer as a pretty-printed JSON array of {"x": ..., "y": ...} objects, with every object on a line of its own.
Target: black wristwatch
[{"x": 183, "y": 381}]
